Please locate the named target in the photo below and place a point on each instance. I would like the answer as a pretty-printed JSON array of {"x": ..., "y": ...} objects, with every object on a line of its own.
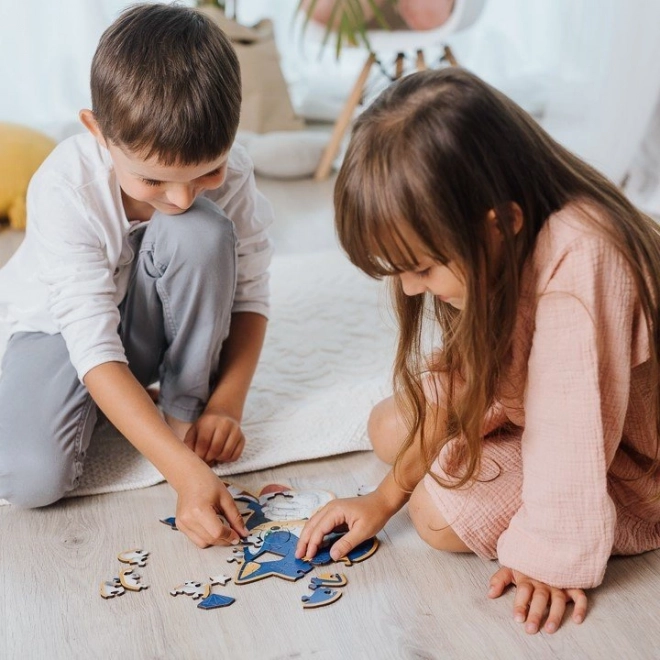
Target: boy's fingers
[{"x": 191, "y": 437}]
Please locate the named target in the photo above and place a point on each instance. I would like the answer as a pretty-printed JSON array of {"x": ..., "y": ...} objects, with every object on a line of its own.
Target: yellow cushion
[{"x": 22, "y": 150}]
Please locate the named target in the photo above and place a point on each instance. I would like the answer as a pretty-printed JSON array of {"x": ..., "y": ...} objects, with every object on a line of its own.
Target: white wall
[{"x": 591, "y": 68}]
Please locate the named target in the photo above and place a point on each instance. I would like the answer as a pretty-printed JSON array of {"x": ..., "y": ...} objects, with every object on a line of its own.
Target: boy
[{"x": 145, "y": 259}]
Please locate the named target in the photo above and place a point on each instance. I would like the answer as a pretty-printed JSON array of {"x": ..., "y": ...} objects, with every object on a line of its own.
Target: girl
[{"x": 532, "y": 437}]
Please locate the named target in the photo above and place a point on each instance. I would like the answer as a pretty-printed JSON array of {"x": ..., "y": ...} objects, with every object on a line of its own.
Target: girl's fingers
[
  {"x": 317, "y": 527},
  {"x": 557, "y": 609},
  {"x": 537, "y": 608},
  {"x": 499, "y": 582},
  {"x": 523, "y": 597},
  {"x": 580, "y": 599}
]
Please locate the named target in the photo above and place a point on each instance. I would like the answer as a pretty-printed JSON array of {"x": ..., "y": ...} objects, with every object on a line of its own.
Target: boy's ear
[{"x": 88, "y": 120}]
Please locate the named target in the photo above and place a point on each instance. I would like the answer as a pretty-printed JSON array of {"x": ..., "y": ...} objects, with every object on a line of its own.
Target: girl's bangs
[{"x": 372, "y": 223}]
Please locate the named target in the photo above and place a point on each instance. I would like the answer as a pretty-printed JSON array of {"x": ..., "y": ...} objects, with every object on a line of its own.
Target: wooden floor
[{"x": 407, "y": 601}]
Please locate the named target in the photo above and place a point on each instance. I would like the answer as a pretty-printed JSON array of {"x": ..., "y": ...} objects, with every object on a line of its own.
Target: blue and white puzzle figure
[
  {"x": 276, "y": 542},
  {"x": 321, "y": 597}
]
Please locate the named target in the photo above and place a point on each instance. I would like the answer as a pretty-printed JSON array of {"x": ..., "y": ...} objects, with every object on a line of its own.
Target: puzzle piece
[
  {"x": 255, "y": 540},
  {"x": 320, "y": 598},
  {"x": 111, "y": 588},
  {"x": 220, "y": 579},
  {"x": 134, "y": 557},
  {"x": 214, "y": 601},
  {"x": 171, "y": 522},
  {"x": 130, "y": 580},
  {"x": 293, "y": 504},
  {"x": 328, "y": 580},
  {"x": 192, "y": 588},
  {"x": 361, "y": 552},
  {"x": 236, "y": 556}
]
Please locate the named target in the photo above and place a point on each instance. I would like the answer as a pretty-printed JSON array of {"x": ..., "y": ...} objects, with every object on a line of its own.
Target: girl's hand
[
  {"x": 364, "y": 516},
  {"x": 216, "y": 437},
  {"x": 201, "y": 500},
  {"x": 533, "y": 598}
]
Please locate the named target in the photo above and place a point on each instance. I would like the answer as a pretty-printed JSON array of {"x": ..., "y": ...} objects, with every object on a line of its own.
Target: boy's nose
[
  {"x": 181, "y": 196},
  {"x": 411, "y": 285}
]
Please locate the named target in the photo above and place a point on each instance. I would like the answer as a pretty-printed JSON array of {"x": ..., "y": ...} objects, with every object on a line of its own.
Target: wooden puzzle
[
  {"x": 136, "y": 557},
  {"x": 328, "y": 580},
  {"x": 321, "y": 597},
  {"x": 130, "y": 580},
  {"x": 111, "y": 588}
]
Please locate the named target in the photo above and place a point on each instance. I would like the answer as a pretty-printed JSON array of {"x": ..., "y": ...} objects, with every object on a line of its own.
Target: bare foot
[
  {"x": 179, "y": 427},
  {"x": 154, "y": 392}
]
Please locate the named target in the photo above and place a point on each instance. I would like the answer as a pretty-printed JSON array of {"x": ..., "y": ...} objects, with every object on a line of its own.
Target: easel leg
[{"x": 344, "y": 119}]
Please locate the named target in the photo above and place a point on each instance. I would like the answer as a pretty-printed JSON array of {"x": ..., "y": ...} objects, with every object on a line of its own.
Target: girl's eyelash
[
  {"x": 423, "y": 273},
  {"x": 151, "y": 182}
]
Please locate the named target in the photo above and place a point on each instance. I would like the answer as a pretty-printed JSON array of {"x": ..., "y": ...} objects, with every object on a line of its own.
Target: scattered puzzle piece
[
  {"x": 214, "y": 601},
  {"x": 320, "y": 597},
  {"x": 170, "y": 522},
  {"x": 328, "y": 580},
  {"x": 237, "y": 556},
  {"x": 192, "y": 588},
  {"x": 220, "y": 579},
  {"x": 134, "y": 557},
  {"x": 111, "y": 588},
  {"x": 130, "y": 580}
]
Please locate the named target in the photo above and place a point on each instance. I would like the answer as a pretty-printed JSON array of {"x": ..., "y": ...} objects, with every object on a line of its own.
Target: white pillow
[{"x": 285, "y": 154}]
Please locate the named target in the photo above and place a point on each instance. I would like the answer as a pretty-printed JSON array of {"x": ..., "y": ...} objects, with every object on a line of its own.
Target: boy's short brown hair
[{"x": 166, "y": 83}]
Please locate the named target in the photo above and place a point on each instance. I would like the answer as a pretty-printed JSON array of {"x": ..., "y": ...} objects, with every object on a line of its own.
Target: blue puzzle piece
[
  {"x": 321, "y": 597},
  {"x": 215, "y": 600},
  {"x": 170, "y": 522},
  {"x": 358, "y": 553}
]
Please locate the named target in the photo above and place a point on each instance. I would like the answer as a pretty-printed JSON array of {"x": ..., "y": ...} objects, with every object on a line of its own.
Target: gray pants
[{"x": 174, "y": 319}]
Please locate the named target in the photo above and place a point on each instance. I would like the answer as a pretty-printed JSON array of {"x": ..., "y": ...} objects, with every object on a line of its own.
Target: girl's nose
[{"x": 411, "y": 284}]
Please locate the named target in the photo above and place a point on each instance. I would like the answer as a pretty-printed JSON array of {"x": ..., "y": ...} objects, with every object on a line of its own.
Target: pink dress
[{"x": 567, "y": 443}]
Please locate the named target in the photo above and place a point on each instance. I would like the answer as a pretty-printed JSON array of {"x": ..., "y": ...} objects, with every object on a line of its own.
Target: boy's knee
[
  {"x": 35, "y": 483},
  {"x": 202, "y": 229},
  {"x": 430, "y": 524}
]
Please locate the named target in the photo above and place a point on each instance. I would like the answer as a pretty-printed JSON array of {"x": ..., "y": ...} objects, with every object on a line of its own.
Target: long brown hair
[{"x": 434, "y": 154}]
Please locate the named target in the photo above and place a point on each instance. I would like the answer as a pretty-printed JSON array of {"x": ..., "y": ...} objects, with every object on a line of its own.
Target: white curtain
[{"x": 589, "y": 69}]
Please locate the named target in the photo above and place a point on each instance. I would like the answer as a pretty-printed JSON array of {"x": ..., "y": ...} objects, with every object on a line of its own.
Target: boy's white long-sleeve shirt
[{"x": 72, "y": 269}]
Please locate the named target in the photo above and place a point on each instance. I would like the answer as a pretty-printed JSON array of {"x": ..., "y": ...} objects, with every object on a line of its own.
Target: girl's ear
[
  {"x": 493, "y": 219},
  {"x": 88, "y": 120}
]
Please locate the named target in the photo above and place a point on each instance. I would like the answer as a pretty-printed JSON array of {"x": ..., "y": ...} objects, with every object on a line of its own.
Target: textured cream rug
[{"x": 326, "y": 361}]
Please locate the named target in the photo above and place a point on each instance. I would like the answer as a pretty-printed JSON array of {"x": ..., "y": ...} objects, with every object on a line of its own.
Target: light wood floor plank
[{"x": 407, "y": 601}]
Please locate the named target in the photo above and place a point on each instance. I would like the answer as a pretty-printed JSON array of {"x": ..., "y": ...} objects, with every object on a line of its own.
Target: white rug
[{"x": 326, "y": 361}]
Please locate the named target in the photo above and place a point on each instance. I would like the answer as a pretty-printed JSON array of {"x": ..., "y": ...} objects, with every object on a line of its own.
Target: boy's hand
[
  {"x": 201, "y": 499},
  {"x": 364, "y": 516},
  {"x": 216, "y": 437},
  {"x": 533, "y": 598}
]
